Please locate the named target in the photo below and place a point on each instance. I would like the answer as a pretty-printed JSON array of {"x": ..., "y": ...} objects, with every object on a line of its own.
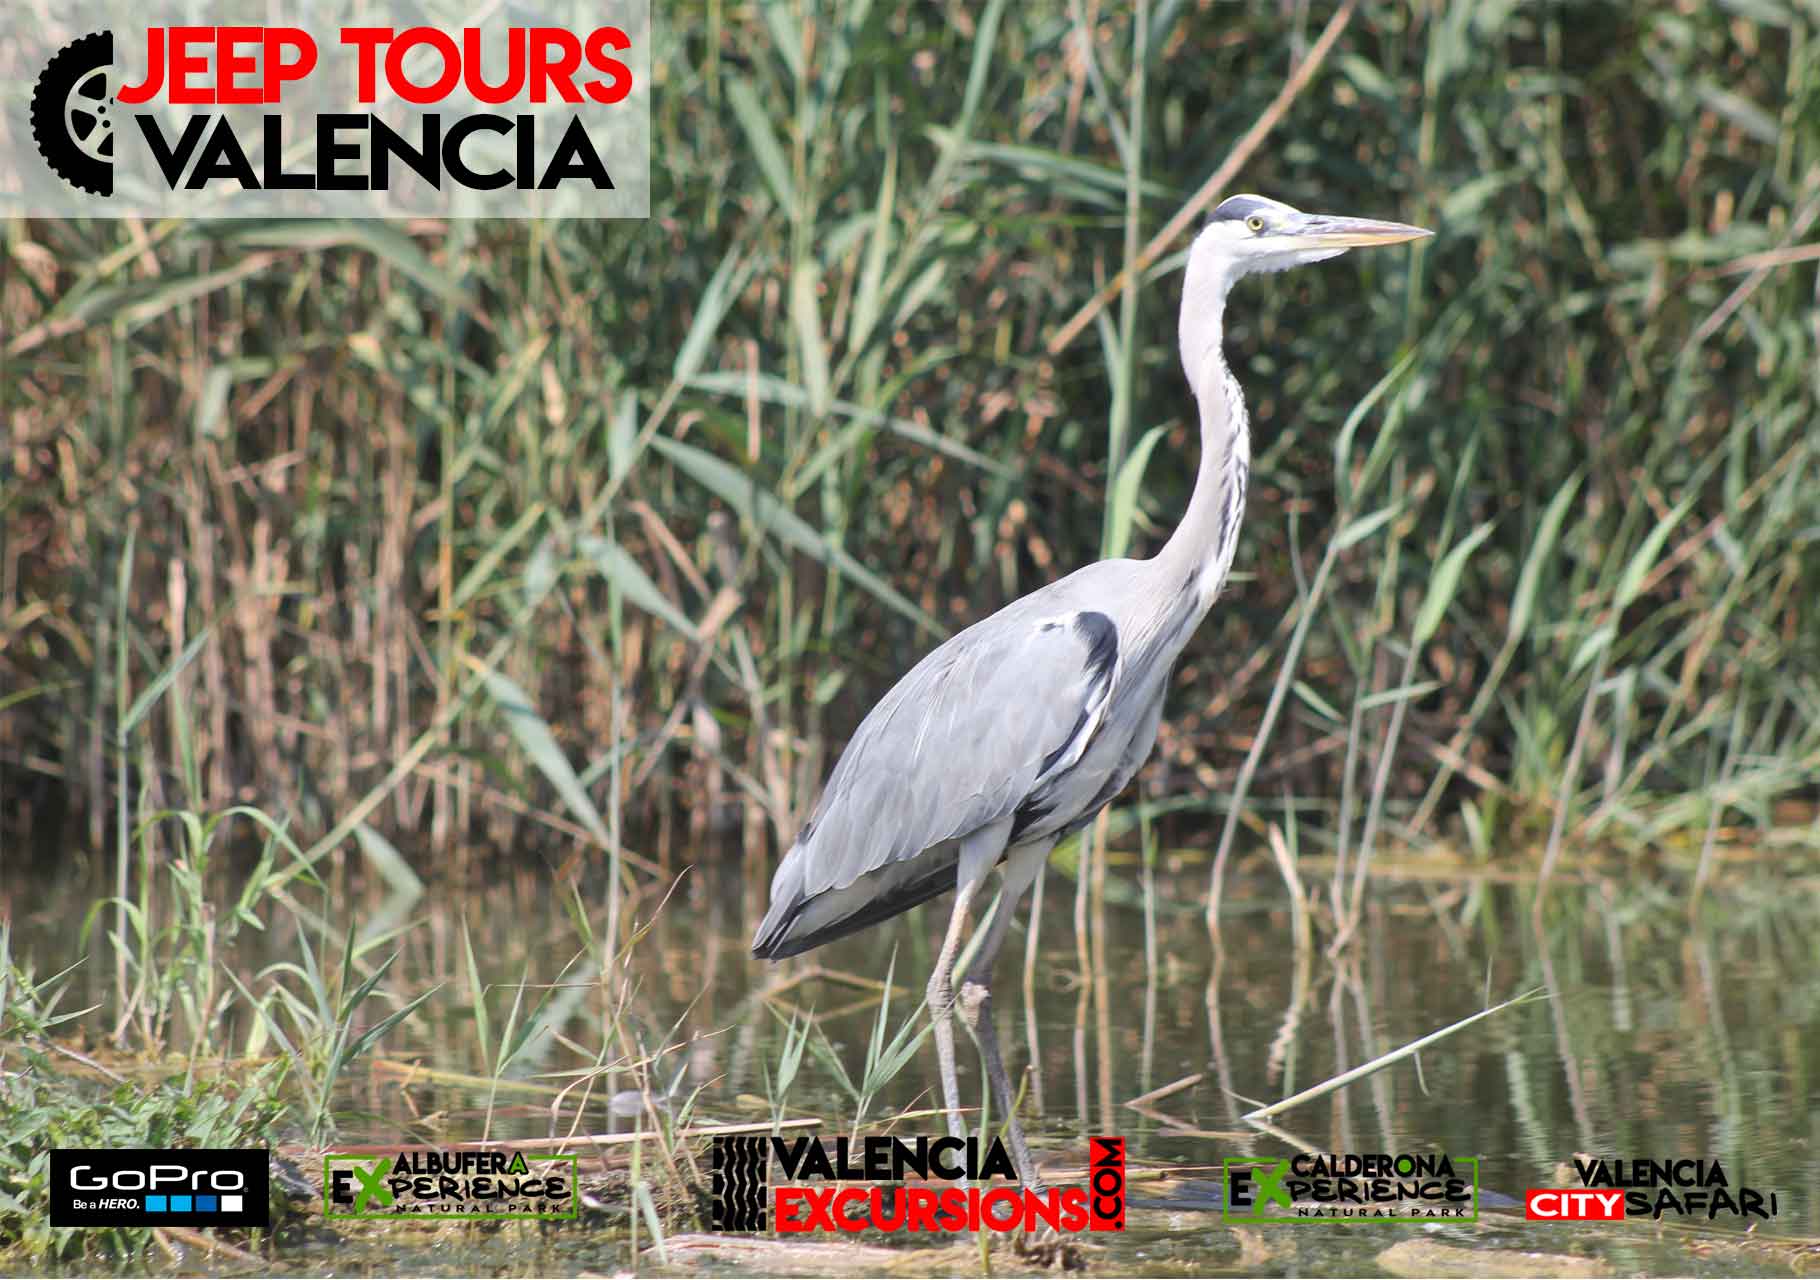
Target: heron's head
[{"x": 1250, "y": 233}]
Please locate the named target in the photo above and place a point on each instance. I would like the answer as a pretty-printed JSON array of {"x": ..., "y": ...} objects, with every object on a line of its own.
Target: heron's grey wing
[{"x": 968, "y": 737}]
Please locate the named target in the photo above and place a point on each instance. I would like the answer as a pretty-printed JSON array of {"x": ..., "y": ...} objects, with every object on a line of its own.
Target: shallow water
[{"x": 1660, "y": 1038}]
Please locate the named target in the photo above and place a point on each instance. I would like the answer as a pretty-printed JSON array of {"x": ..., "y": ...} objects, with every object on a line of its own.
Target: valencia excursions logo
[
  {"x": 448, "y": 1185},
  {"x": 823, "y": 1186},
  {"x": 1362, "y": 1186},
  {"x": 350, "y": 120},
  {"x": 1615, "y": 1190}
]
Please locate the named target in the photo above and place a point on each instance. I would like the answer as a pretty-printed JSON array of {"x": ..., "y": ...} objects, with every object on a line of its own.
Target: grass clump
[
  {"x": 52, "y": 1096},
  {"x": 41, "y": 1108}
]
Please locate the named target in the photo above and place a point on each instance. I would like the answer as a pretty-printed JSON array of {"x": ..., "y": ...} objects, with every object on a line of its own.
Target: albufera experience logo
[
  {"x": 447, "y": 1186},
  {"x": 500, "y": 113}
]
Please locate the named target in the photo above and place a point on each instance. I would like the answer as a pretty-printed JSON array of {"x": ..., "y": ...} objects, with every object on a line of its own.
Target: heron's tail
[
  {"x": 772, "y": 941},
  {"x": 799, "y": 921}
]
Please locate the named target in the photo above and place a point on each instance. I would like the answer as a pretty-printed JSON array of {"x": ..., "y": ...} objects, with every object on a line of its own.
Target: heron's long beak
[{"x": 1319, "y": 231}]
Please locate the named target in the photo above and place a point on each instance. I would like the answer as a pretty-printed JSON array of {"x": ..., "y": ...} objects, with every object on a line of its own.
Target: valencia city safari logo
[{"x": 1616, "y": 1190}]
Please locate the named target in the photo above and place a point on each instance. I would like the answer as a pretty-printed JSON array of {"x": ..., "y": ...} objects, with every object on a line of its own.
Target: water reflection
[{"x": 1660, "y": 1037}]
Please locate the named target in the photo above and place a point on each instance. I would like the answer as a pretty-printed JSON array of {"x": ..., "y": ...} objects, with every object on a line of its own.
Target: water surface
[{"x": 1661, "y": 1037}]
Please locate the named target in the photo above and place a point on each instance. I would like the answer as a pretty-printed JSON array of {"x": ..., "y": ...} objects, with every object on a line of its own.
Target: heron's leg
[
  {"x": 1021, "y": 869},
  {"x": 941, "y": 1006},
  {"x": 979, "y": 853}
]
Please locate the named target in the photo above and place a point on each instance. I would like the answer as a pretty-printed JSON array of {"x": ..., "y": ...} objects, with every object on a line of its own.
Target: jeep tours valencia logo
[{"x": 390, "y": 116}]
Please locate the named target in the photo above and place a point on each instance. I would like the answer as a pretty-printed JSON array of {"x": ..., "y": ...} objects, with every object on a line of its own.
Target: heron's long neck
[{"x": 1198, "y": 555}]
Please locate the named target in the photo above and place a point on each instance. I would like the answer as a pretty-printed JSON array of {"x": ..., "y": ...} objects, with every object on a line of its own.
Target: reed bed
[{"x": 528, "y": 535}]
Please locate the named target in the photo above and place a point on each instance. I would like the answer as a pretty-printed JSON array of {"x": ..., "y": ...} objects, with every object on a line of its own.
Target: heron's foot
[
  {"x": 941, "y": 1008},
  {"x": 939, "y": 995},
  {"x": 974, "y": 997},
  {"x": 1051, "y": 1250}
]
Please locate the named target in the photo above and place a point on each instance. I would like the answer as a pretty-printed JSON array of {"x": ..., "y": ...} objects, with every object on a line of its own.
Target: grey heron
[{"x": 1018, "y": 730}]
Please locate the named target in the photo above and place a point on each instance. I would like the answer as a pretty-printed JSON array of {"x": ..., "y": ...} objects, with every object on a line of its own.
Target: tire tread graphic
[
  {"x": 55, "y": 83},
  {"x": 741, "y": 1168}
]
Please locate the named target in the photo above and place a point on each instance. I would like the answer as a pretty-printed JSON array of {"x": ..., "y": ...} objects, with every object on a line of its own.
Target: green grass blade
[
  {"x": 385, "y": 241},
  {"x": 1124, "y": 504},
  {"x": 755, "y": 123},
  {"x": 482, "y": 574},
  {"x": 806, "y": 316},
  {"x": 867, "y": 302},
  {"x": 617, "y": 566},
  {"x": 477, "y": 995},
  {"x": 741, "y": 491},
  {"x": 1523, "y": 599},
  {"x": 539, "y": 743},
  {"x": 1644, "y": 558},
  {"x": 1387, "y": 1059},
  {"x": 710, "y": 309},
  {"x": 1358, "y": 530},
  {"x": 1342, "y": 445},
  {"x": 776, "y": 391},
  {"x": 149, "y": 696},
  {"x": 1444, "y": 583},
  {"x": 372, "y": 1034},
  {"x": 384, "y": 858}
]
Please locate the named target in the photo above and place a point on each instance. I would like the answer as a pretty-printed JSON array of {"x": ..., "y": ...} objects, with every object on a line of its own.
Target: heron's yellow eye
[{"x": 1256, "y": 224}]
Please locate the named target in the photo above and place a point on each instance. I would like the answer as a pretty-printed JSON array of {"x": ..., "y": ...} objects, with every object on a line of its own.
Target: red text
[{"x": 1573, "y": 1206}]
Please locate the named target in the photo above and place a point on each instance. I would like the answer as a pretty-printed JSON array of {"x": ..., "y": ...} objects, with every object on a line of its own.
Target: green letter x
[
  {"x": 373, "y": 1184},
  {"x": 1270, "y": 1185}
]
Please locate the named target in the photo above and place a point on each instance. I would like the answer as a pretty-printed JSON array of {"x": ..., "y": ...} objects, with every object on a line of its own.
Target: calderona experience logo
[
  {"x": 449, "y": 1185},
  {"x": 825, "y": 1186},
  {"x": 1362, "y": 1186},
  {"x": 1613, "y": 1190},
  {"x": 389, "y": 116}
]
